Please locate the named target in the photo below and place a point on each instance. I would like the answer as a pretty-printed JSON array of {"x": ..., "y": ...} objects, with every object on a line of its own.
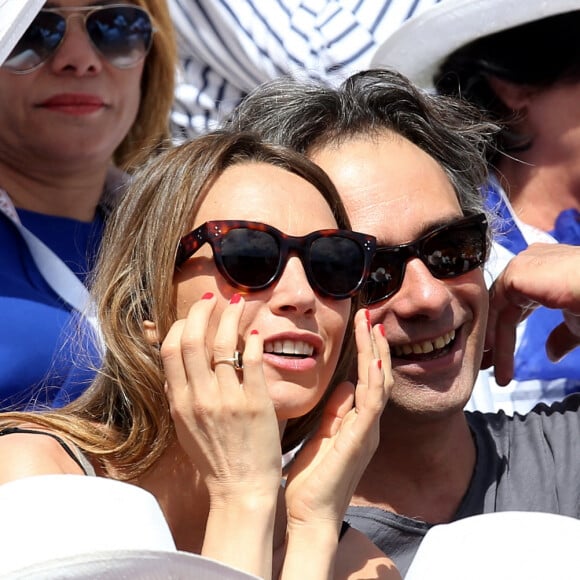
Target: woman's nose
[
  {"x": 76, "y": 52},
  {"x": 292, "y": 291}
]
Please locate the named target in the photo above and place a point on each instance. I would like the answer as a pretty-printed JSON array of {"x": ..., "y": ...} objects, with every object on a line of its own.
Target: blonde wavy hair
[
  {"x": 123, "y": 418},
  {"x": 151, "y": 127}
]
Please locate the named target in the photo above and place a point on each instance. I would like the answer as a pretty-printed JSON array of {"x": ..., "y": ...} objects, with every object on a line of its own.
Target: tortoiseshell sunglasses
[{"x": 251, "y": 256}]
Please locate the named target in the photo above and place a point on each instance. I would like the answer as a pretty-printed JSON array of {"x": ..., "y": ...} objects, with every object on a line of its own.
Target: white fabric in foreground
[
  {"x": 56, "y": 516},
  {"x": 131, "y": 565},
  {"x": 74, "y": 526},
  {"x": 500, "y": 546}
]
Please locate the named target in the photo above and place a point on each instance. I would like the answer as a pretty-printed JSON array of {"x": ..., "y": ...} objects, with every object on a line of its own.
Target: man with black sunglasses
[
  {"x": 522, "y": 69},
  {"x": 409, "y": 167}
]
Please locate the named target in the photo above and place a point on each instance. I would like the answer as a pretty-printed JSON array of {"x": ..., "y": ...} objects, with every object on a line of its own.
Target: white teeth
[
  {"x": 426, "y": 346},
  {"x": 289, "y": 347}
]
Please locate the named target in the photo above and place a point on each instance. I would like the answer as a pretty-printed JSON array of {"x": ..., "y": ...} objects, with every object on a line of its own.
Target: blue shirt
[
  {"x": 531, "y": 360},
  {"x": 536, "y": 378},
  {"x": 40, "y": 351}
]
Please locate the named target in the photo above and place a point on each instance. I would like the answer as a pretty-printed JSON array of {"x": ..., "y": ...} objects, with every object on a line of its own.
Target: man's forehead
[{"x": 391, "y": 188}]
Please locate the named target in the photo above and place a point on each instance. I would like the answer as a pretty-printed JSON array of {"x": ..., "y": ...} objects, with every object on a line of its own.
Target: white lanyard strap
[{"x": 56, "y": 273}]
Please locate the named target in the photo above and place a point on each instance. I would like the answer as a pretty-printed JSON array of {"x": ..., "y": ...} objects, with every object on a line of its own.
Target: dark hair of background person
[{"x": 538, "y": 54}]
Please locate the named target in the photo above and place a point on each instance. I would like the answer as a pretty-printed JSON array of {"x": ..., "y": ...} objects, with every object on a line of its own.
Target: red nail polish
[
  {"x": 368, "y": 314},
  {"x": 254, "y": 331},
  {"x": 235, "y": 298},
  {"x": 380, "y": 364},
  {"x": 207, "y": 296},
  {"x": 382, "y": 329}
]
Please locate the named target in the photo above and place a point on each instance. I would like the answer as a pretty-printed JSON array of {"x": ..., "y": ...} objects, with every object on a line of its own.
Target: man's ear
[
  {"x": 151, "y": 334},
  {"x": 515, "y": 97}
]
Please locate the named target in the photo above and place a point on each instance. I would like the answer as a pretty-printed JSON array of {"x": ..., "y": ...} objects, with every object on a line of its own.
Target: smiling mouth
[
  {"x": 427, "y": 349},
  {"x": 289, "y": 348}
]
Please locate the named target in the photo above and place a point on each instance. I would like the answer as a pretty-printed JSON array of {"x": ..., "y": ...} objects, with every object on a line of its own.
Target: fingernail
[
  {"x": 368, "y": 314},
  {"x": 382, "y": 329},
  {"x": 235, "y": 298},
  {"x": 207, "y": 296},
  {"x": 380, "y": 364},
  {"x": 254, "y": 331}
]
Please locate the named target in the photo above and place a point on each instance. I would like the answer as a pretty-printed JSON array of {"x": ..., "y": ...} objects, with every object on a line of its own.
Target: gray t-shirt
[{"x": 526, "y": 463}]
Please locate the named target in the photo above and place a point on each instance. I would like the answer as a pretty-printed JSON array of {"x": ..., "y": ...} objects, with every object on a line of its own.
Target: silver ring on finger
[{"x": 235, "y": 361}]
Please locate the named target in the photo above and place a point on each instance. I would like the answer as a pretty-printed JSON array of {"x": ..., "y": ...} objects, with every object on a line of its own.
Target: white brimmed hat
[
  {"x": 65, "y": 527},
  {"x": 419, "y": 47},
  {"x": 502, "y": 546}
]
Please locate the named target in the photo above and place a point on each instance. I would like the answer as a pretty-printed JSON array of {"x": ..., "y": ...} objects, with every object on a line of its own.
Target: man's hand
[{"x": 543, "y": 274}]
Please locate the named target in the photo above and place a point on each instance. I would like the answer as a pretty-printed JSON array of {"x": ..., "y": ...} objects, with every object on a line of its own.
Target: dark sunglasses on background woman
[{"x": 121, "y": 33}]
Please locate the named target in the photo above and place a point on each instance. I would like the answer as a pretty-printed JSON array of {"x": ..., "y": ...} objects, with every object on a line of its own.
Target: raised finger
[
  {"x": 503, "y": 352},
  {"x": 253, "y": 373},
  {"x": 172, "y": 359},
  {"x": 226, "y": 352},
  {"x": 365, "y": 345},
  {"x": 184, "y": 351},
  {"x": 380, "y": 379},
  {"x": 194, "y": 341}
]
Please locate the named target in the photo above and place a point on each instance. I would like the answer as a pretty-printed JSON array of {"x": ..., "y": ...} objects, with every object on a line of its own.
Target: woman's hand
[
  {"x": 327, "y": 469},
  {"x": 226, "y": 423}
]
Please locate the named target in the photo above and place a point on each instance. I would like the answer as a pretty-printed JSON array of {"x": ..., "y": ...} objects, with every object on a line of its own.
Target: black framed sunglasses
[
  {"x": 447, "y": 252},
  {"x": 251, "y": 256},
  {"x": 121, "y": 33}
]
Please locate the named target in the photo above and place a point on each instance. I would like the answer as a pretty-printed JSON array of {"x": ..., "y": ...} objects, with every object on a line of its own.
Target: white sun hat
[
  {"x": 15, "y": 18},
  {"x": 502, "y": 546},
  {"x": 92, "y": 528},
  {"x": 421, "y": 44},
  {"x": 129, "y": 565}
]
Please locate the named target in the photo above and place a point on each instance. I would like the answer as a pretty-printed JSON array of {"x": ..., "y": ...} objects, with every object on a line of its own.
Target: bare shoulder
[
  {"x": 28, "y": 454},
  {"x": 358, "y": 558}
]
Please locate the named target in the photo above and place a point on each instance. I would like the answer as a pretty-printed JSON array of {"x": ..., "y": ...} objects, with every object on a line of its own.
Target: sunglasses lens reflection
[
  {"x": 449, "y": 252},
  {"x": 385, "y": 277},
  {"x": 121, "y": 34},
  {"x": 455, "y": 252},
  {"x": 39, "y": 41}
]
